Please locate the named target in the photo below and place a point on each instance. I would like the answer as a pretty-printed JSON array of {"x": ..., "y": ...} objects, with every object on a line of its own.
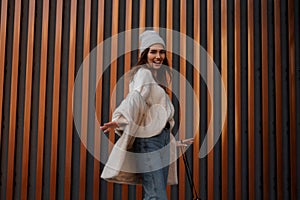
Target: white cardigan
[{"x": 143, "y": 113}]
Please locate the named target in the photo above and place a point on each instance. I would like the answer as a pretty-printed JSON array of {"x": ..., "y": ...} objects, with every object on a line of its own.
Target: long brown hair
[{"x": 161, "y": 75}]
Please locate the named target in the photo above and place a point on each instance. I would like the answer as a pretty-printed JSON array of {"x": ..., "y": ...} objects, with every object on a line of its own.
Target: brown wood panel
[
  {"x": 85, "y": 99},
  {"x": 292, "y": 95},
  {"x": 224, "y": 70},
  {"x": 127, "y": 65},
  {"x": 128, "y": 24},
  {"x": 156, "y": 15},
  {"x": 113, "y": 81},
  {"x": 278, "y": 96},
  {"x": 237, "y": 95},
  {"x": 250, "y": 100},
  {"x": 265, "y": 106},
  {"x": 210, "y": 100},
  {"x": 169, "y": 28},
  {"x": 69, "y": 125},
  {"x": 97, "y": 143},
  {"x": 42, "y": 100},
  {"x": 100, "y": 36},
  {"x": 13, "y": 101},
  {"x": 169, "y": 24},
  {"x": 142, "y": 15},
  {"x": 2, "y": 56},
  {"x": 182, "y": 97},
  {"x": 28, "y": 93},
  {"x": 142, "y": 24},
  {"x": 55, "y": 100},
  {"x": 196, "y": 130}
]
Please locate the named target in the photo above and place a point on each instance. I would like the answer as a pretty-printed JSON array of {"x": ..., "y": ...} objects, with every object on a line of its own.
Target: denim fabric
[{"x": 154, "y": 182}]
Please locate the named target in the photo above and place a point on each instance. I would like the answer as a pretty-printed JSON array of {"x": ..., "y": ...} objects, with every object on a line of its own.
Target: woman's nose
[{"x": 157, "y": 55}]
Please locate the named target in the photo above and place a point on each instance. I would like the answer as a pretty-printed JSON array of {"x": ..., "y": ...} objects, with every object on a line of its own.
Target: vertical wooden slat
[
  {"x": 169, "y": 28},
  {"x": 237, "y": 90},
  {"x": 42, "y": 100},
  {"x": 278, "y": 98},
  {"x": 69, "y": 127},
  {"x": 127, "y": 65},
  {"x": 182, "y": 92},
  {"x": 142, "y": 15},
  {"x": 225, "y": 81},
  {"x": 128, "y": 24},
  {"x": 156, "y": 15},
  {"x": 13, "y": 100},
  {"x": 197, "y": 93},
  {"x": 113, "y": 78},
  {"x": 2, "y": 56},
  {"x": 27, "y": 109},
  {"x": 55, "y": 100},
  {"x": 292, "y": 96},
  {"x": 142, "y": 24},
  {"x": 100, "y": 36},
  {"x": 250, "y": 100},
  {"x": 265, "y": 106},
  {"x": 210, "y": 99},
  {"x": 85, "y": 100}
]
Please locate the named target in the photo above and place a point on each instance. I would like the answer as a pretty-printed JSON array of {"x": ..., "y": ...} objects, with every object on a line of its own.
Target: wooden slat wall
[
  {"x": 169, "y": 25},
  {"x": 260, "y": 42},
  {"x": 278, "y": 92},
  {"x": 71, "y": 78},
  {"x": 182, "y": 96},
  {"x": 100, "y": 27},
  {"x": 210, "y": 98},
  {"x": 196, "y": 146},
  {"x": 292, "y": 103},
  {"x": 55, "y": 100},
  {"x": 224, "y": 65},
  {"x": 13, "y": 100},
  {"x": 42, "y": 100},
  {"x": 251, "y": 136},
  {"x": 237, "y": 98},
  {"x": 28, "y": 94},
  {"x": 85, "y": 100},
  {"x": 2, "y": 54},
  {"x": 265, "y": 108}
]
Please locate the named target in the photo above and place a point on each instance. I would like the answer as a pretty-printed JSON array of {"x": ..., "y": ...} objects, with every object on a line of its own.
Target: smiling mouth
[{"x": 157, "y": 62}]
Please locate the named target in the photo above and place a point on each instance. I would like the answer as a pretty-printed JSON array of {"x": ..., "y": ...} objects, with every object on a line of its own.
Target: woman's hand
[
  {"x": 185, "y": 142},
  {"x": 109, "y": 126}
]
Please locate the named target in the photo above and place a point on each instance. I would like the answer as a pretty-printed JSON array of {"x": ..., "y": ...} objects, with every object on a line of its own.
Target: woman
[{"x": 144, "y": 121}]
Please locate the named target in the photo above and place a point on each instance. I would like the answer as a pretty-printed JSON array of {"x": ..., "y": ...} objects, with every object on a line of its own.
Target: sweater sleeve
[
  {"x": 129, "y": 113},
  {"x": 142, "y": 82},
  {"x": 133, "y": 105},
  {"x": 122, "y": 122}
]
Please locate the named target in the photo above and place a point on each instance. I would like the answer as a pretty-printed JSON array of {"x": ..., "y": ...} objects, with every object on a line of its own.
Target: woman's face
[{"x": 156, "y": 55}]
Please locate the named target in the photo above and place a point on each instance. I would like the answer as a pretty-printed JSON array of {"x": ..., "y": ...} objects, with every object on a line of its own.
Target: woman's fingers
[
  {"x": 105, "y": 129},
  {"x": 108, "y": 126},
  {"x": 179, "y": 144},
  {"x": 185, "y": 142},
  {"x": 112, "y": 124},
  {"x": 188, "y": 141}
]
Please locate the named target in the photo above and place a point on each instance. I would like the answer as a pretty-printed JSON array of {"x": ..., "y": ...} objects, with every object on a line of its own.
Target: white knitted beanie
[{"x": 148, "y": 38}]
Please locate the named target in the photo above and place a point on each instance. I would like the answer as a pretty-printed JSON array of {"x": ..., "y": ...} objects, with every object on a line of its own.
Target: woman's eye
[{"x": 161, "y": 52}]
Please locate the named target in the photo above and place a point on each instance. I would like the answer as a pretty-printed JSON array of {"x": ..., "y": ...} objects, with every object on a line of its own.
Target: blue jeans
[{"x": 154, "y": 182}]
